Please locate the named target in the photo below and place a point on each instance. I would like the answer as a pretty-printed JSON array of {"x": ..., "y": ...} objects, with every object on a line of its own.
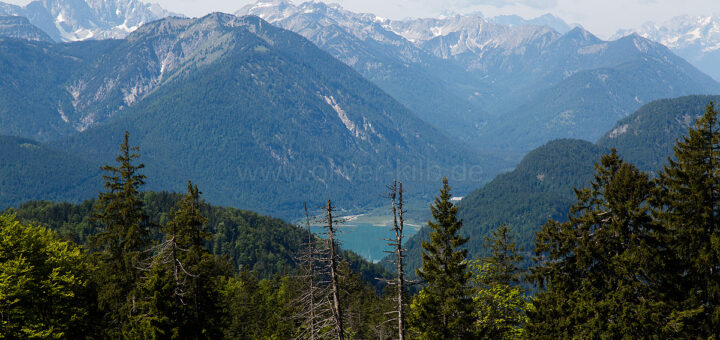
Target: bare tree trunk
[
  {"x": 400, "y": 274},
  {"x": 311, "y": 273},
  {"x": 315, "y": 305},
  {"x": 396, "y": 197},
  {"x": 337, "y": 312}
]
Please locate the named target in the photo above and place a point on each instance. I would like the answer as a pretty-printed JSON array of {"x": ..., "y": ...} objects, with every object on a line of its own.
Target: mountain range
[
  {"x": 263, "y": 118},
  {"x": 258, "y": 116},
  {"x": 695, "y": 38},
  {"x": 503, "y": 88},
  {"x": 72, "y": 20},
  {"x": 503, "y": 85}
]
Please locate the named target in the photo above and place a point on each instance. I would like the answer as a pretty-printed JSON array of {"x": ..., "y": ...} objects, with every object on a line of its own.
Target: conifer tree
[
  {"x": 500, "y": 304},
  {"x": 123, "y": 239},
  {"x": 444, "y": 308},
  {"x": 504, "y": 261},
  {"x": 687, "y": 202},
  {"x": 600, "y": 269},
  {"x": 180, "y": 296}
]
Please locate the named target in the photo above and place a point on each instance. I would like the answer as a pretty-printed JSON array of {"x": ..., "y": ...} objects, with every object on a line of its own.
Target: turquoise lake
[{"x": 367, "y": 239}]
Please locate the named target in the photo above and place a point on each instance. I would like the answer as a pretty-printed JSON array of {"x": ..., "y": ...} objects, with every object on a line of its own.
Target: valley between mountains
[
  {"x": 283, "y": 119},
  {"x": 265, "y": 119}
]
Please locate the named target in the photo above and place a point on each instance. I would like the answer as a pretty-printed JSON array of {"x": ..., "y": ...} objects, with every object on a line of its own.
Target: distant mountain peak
[
  {"x": 642, "y": 44},
  {"x": 72, "y": 20},
  {"x": 20, "y": 28},
  {"x": 547, "y": 19},
  {"x": 581, "y": 33},
  {"x": 695, "y": 38}
]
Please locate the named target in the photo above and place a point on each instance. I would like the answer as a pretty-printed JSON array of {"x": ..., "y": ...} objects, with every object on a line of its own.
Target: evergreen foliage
[
  {"x": 166, "y": 284},
  {"x": 180, "y": 297},
  {"x": 443, "y": 309},
  {"x": 599, "y": 270},
  {"x": 264, "y": 245},
  {"x": 257, "y": 309},
  {"x": 503, "y": 263},
  {"x": 123, "y": 239},
  {"x": 687, "y": 202},
  {"x": 540, "y": 188}
]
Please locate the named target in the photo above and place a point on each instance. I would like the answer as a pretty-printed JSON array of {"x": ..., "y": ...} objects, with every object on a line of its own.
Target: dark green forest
[
  {"x": 31, "y": 170},
  {"x": 648, "y": 136}
]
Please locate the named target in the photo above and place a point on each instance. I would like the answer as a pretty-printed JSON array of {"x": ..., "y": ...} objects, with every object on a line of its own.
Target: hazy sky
[{"x": 602, "y": 17}]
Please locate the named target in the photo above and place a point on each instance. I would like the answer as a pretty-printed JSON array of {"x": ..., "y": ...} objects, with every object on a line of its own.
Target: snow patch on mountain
[
  {"x": 68, "y": 20},
  {"x": 695, "y": 38}
]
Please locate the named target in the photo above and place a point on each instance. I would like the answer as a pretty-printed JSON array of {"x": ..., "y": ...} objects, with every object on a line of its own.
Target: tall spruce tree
[
  {"x": 504, "y": 261},
  {"x": 180, "y": 296},
  {"x": 444, "y": 308},
  {"x": 123, "y": 239},
  {"x": 500, "y": 304},
  {"x": 686, "y": 201},
  {"x": 599, "y": 270}
]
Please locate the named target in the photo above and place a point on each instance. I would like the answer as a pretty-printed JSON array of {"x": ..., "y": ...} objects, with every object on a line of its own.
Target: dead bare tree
[
  {"x": 319, "y": 305},
  {"x": 333, "y": 258},
  {"x": 396, "y": 197},
  {"x": 314, "y": 306},
  {"x": 167, "y": 254}
]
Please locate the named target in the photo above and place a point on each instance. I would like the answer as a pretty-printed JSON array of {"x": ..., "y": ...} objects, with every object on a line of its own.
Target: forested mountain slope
[
  {"x": 647, "y": 137},
  {"x": 262, "y": 119},
  {"x": 20, "y": 28},
  {"x": 541, "y": 187},
  {"x": 31, "y": 171}
]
